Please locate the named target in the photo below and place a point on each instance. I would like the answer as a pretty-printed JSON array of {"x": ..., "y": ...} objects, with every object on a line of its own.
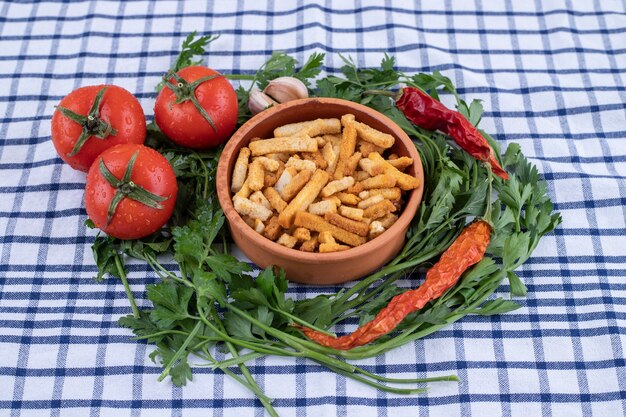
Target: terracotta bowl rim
[{"x": 236, "y": 221}]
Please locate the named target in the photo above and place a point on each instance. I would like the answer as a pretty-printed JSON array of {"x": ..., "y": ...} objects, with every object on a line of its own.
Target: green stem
[
  {"x": 180, "y": 332},
  {"x": 376, "y": 385},
  {"x": 158, "y": 268},
  {"x": 237, "y": 360},
  {"x": 267, "y": 403},
  {"x": 263, "y": 348},
  {"x": 252, "y": 387},
  {"x": 309, "y": 349},
  {"x": 407, "y": 380},
  {"x": 302, "y": 322},
  {"x": 246, "y": 77},
  {"x": 180, "y": 352},
  {"x": 367, "y": 282},
  {"x": 375, "y": 92},
  {"x": 487, "y": 215},
  {"x": 129, "y": 293}
]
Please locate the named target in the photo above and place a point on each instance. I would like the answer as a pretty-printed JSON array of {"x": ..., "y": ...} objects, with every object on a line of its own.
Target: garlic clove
[
  {"x": 284, "y": 89},
  {"x": 259, "y": 101}
]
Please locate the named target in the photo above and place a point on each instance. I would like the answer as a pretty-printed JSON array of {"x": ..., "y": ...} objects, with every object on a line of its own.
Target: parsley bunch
[{"x": 207, "y": 299}]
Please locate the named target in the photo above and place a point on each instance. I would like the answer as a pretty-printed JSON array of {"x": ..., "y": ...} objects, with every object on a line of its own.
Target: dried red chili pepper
[
  {"x": 430, "y": 114},
  {"x": 467, "y": 250}
]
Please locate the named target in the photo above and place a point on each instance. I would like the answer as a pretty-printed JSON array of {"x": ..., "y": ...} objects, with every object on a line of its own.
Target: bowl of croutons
[{"x": 324, "y": 188}]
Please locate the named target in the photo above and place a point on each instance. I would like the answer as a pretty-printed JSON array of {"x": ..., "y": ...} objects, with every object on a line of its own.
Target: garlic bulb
[
  {"x": 259, "y": 101},
  {"x": 284, "y": 89}
]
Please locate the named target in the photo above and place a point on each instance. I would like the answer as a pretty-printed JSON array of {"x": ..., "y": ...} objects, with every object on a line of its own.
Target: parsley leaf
[
  {"x": 105, "y": 251},
  {"x": 225, "y": 266},
  {"x": 170, "y": 303},
  {"x": 191, "y": 47}
]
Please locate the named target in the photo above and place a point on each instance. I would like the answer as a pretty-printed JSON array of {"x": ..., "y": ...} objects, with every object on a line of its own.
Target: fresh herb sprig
[
  {"x": 190, "y": 48},
  {"x": 213, "y": 301}
]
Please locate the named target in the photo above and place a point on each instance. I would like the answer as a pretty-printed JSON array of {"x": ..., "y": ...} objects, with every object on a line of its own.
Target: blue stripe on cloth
[{"x": 327, "y": 9}]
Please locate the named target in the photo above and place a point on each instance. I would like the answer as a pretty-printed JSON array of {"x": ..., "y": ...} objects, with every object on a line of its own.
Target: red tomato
[
  {"x": 118, "y": 109},
  {"x": 131, "y": 219},
  {"x": 183, "y": 123}
]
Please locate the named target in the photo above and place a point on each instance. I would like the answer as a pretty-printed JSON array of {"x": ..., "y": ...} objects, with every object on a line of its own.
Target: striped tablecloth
[{"x": 551, "y": 75}]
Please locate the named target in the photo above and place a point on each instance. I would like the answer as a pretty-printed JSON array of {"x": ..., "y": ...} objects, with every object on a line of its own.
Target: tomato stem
[
  {"x": 127, "y": 188},
  {"x": 92, "y": 124},
  {"x": 186, "y": 91}
]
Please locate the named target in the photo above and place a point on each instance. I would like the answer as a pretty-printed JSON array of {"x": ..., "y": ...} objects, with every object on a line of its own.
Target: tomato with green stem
[
  {"x": 131, "y": 191},
  {"x": 92, "y": 119},
  {"x": 197, "y": 108}
]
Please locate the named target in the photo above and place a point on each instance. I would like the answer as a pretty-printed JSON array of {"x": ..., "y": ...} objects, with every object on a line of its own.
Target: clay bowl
[{"x": 317, "y": 268}]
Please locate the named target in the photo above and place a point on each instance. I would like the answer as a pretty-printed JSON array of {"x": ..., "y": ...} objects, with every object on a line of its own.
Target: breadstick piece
[
  {"x": 289, "y": 144},
  {"x": 259, "y": 198},
  {"x": 376, "y": 228},
  {"x": 326, "y": 237},
  {"x": 302, "y": 234},
  {"x": 355, "y": 189},
  {"x": 259, "y": 226},
  {"x": 322, "y": 207},
  {"x": 245, "y": 190},
  {"x": 333, "y": 139},
  {"x": 256, "y": 176},
  {"x": 393, "y": 194},
  {"x": 367, "y": 148},
  {"x": 400, "y": 163},
  {"x": 379, "y": 209},
  {"x": 240, "y": 170},
  {"x": 332, "y": 247},
  {"x": 317, "y": 158},
  {"x": 374, "y": 136},
  {"x": 269, "y": 164},
  {"x": 285, "y": 178},
  {"x": 295, "y": 185},
  {"x": 329, "y": 154},
  {"x": 287, "y": 241},
  {"x": 272, "y": 229},
  {"x": 346, "y": 149},
  {"x": 337, "y": 185},
  {"x": 404, "y": 181},
  {"x": 279, "y": 156},
  {"x": 388, "y": 220},
  {"x": 361, "y": 175},
  {"x": 333, "y": 199},
  {"x": 301, "y": 164},
  {"x": 371, "y": 167},
  {"x": 312, "y": 128},
  {"x": 347, "y": 198},
  {"x": 316, "y": 223},
  {"x": 305, "y": 197},
  {"x": 275, "y": 200},
  {"x": 370, "y": 201},
  {"x": 310, "y": 245},
  {"x": 269, "y": 179},
  {"x": 351, "y": 213},
  {"x": 254, "y": 210},
  {"x": 351, "y": 164},
  {"x": 379, "y": 181},
  {"x": 352, "y": 226}
]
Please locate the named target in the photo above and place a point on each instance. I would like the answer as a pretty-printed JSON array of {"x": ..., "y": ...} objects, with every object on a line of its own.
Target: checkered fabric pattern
[{"x": 551, "y": 75}]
